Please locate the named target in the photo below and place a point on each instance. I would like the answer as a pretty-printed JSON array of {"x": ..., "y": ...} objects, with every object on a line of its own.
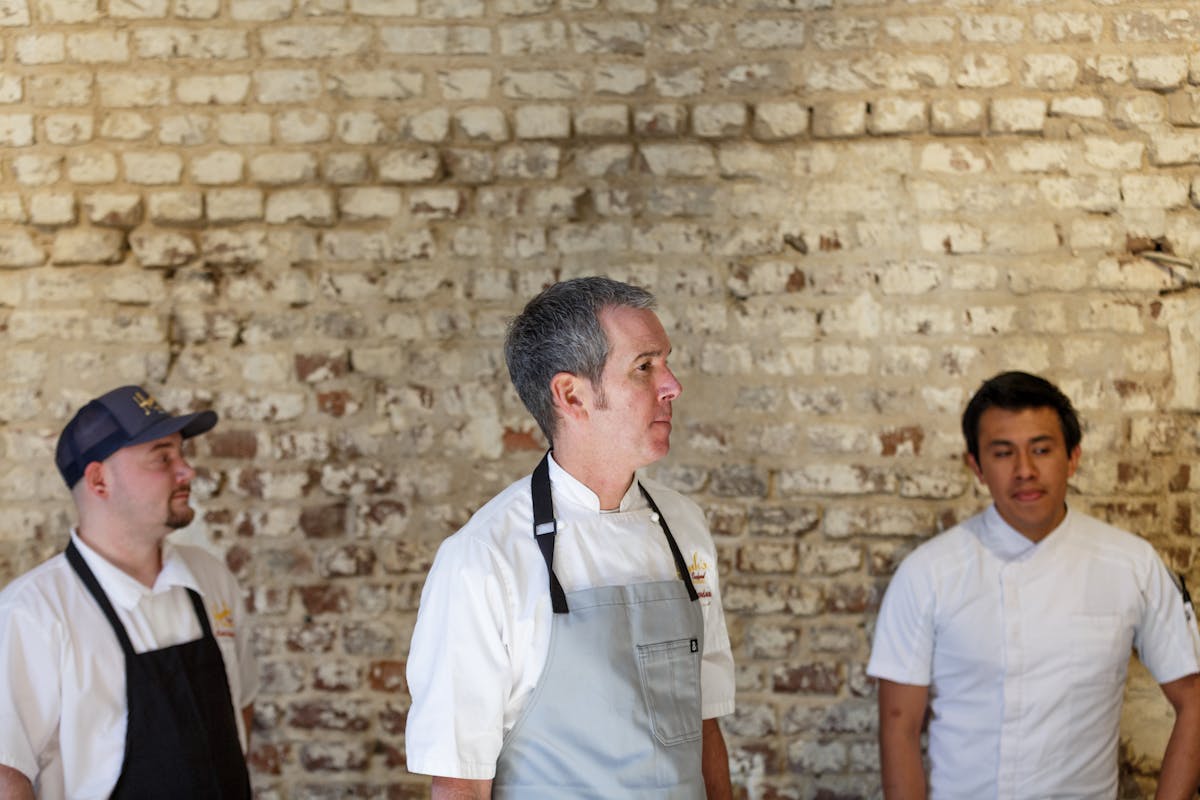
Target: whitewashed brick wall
[{"x": 316, "y": 216}]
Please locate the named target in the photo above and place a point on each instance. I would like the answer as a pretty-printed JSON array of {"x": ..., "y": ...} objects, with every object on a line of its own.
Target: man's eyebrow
[
  {"x": 1045, "y": 437},
  {"x": 652, "y": 353}
]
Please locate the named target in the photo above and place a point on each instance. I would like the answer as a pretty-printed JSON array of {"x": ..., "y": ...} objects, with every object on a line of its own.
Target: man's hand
[
  {"x": 1181, "y": 762},
  {"x": 460, "y": 789},
  {"x": 14, "y": 785},
  {"x": 715, "y": 762},
  {"x": 901, "y": 717}
]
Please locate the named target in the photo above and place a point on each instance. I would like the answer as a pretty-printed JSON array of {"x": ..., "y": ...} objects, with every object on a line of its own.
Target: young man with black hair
[{"x": 1013, "y": 630}]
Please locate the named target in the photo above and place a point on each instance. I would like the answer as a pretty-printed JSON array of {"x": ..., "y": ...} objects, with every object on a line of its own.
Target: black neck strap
[{"x": 545, "y": 528}]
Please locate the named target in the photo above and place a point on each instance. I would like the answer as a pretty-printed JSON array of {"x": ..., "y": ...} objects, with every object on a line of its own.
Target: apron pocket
[{"x": 670, "y": 673}]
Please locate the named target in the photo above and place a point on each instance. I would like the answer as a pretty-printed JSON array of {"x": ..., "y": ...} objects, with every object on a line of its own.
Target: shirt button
[{"x": 653, "y": 517}]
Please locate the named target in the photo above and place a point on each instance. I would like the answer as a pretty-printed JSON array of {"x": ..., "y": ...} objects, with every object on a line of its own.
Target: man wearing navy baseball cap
[{"x": 124, "y": 662}]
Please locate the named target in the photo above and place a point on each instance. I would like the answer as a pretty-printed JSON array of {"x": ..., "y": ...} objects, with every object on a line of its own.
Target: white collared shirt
[
  {"x": 62, "y": 671},
  {"x": 1025, "y": 647},
  {"x": 483, "y": 629}
]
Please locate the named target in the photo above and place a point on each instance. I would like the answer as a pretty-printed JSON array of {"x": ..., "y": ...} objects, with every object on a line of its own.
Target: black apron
[{"x": 181, "y": 738}]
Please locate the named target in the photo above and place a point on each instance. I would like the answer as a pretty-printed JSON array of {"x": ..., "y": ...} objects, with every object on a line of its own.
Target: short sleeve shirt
[
  {"x": 62, "y": 675},
  {"x": 483, "y": 628},
  {"x": 1025, "y": 647}
]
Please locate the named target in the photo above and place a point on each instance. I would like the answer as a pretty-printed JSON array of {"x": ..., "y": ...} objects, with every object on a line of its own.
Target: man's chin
[{"x": 177, "y": 520}]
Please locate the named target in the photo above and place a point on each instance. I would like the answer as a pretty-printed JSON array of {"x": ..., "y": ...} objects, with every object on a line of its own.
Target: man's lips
[{"x": 1028, "y": 495}]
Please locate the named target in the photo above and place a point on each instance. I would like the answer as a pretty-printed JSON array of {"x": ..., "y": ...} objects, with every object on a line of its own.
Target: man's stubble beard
[{"x": 180, "y": 519}]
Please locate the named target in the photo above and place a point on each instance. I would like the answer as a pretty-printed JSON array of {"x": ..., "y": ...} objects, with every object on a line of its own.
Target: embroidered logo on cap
[{"x": 148, "y": 404}]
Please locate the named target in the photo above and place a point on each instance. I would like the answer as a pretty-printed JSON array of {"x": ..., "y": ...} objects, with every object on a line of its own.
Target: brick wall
[{"x": 316, "y": 215}]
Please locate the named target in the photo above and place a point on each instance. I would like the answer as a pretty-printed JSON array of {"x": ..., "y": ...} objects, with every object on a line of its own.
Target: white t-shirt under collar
[{"x": 125, "y": 591}]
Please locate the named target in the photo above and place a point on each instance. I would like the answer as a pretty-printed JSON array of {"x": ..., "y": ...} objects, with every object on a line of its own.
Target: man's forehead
[
  {"x": 171, "y": 441},
  {"x": 636, "y": 328},
  {"x": 1025, "y": 424}
]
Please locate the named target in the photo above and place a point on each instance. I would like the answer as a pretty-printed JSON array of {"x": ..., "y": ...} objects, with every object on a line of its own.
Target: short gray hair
[{"x": 560, "y": 331}]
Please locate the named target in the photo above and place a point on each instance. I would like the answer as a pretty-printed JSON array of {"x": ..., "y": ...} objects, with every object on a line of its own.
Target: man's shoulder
[
  {"x": 489, "y": 533},
  {"x": 210, "y": 571},
  {"x": 42, "y": 590},
  {"x": 950, "y": 546},
  {"x": 681, "y": 511},
  {"x": 669, "y": 499},
  {"x": 1102, "y": 538},
  {"x": 497, "y": 514}
]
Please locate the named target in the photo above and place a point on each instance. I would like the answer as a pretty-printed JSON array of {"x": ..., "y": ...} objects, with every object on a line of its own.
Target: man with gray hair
[{"x": 570, "y": 641}]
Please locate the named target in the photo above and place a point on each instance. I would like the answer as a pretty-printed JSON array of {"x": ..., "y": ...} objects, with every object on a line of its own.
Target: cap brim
[{"x": 187, "y": 424}]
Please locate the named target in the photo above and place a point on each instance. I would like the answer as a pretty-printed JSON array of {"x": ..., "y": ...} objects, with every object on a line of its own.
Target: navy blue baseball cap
[{"x": 126, "y": 416}]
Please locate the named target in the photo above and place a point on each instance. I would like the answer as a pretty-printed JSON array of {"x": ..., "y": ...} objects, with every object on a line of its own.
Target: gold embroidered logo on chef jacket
[
  {"x": 699, "y": 570},
  {"x": 223, "y": 619}
]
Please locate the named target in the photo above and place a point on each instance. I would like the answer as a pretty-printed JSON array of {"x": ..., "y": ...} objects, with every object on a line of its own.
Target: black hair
[{"x": 1017, "y": 391}]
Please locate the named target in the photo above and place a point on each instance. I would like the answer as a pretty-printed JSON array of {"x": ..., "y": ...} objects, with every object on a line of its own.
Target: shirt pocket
[
  {"x": 670, "y": 675},
  {"x": 1101, "y": 645}
]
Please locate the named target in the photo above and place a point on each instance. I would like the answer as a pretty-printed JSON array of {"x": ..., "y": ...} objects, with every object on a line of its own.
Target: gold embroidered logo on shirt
[
  {"x": 699, "y": 571},
  {"x": 223, "y": 617}
]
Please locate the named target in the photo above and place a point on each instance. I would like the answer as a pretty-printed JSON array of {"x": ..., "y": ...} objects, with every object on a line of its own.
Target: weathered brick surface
[{"x": 315, "y": 216}]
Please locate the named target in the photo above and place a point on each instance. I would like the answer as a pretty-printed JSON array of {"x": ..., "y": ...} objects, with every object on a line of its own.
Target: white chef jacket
[
  {"x": 483, "y": 628},
  {"x": 1025, "y": 647},
  {"x": 62, "y": 671}
]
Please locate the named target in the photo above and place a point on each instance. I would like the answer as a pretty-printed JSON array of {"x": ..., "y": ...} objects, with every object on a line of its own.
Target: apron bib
[
  {"x": 181, "y": 737},
  {"x": 616, "y": 712}
]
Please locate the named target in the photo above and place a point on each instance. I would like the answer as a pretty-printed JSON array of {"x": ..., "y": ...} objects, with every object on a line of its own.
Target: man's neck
[
  {"x": 142, "y": 561},
  {"x": 607, "y": 483}
]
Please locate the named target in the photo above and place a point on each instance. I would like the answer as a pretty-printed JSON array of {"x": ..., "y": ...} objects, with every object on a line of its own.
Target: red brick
[
  {"x": 324, "y": 522},
  {"x": 386, "y": 676},
  {"x": 814, "y": 678},
  {"x": 337, "y": 403},
  {"x": 267, "y": 759},
  {"x": 327, "y": 715},
  {"x": 232, "y": 444},
  {"x": 324, "y": 599},
  {"x": 314, "y": 367}
]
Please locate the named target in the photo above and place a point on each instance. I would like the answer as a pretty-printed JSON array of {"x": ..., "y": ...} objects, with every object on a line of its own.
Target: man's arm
[
  {"x": 14, "y": 785},
  {"x": 715, "y": 762},
  {"x": 1181, "y": 762},
  {"x": 247, "y": 721},
  {"x": 460, "y": 789},
  {"x": 901, "y": 717}
]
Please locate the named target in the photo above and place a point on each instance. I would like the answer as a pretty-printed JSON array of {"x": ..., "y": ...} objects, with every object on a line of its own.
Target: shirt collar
[
  {"x": 569, "y": 490},
  {"x": 124, "y": 590},
  {"x": 1008, "y": 544}
]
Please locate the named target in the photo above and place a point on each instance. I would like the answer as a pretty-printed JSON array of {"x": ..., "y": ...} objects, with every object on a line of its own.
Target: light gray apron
[{"x": 616, "y": 712}]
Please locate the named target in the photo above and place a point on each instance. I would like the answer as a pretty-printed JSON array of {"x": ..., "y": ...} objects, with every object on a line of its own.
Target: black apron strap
[
  {"x": 75, "y": 559},
  {"x": 680, "y": 564},
  {"x": 201, "y": 615},
  {"x": 545, "y": 528}
]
